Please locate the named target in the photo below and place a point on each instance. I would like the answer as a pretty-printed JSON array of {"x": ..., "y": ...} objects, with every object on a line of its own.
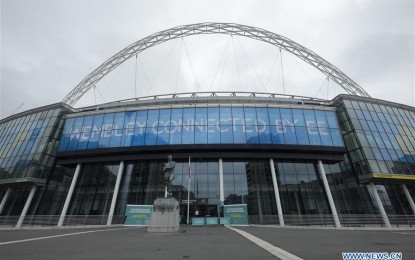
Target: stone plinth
[{"x": 165, "y": 216}]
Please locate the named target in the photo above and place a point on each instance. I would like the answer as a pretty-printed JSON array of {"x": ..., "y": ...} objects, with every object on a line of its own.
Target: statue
[{"x": 168, "y": 171}]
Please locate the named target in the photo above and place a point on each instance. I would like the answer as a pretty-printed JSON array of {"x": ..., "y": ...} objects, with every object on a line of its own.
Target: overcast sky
[{"x": 48, "y": 47}]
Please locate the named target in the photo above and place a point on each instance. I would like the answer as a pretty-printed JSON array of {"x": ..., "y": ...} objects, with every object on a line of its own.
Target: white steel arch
[{"x": 259, "y": 34}]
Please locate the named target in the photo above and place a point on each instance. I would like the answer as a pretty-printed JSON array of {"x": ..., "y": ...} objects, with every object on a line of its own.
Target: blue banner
[{"x": 224, "y": 125}]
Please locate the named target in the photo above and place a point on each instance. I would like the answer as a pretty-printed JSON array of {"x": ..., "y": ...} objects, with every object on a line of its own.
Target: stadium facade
[{"x": 293, "y": 160}]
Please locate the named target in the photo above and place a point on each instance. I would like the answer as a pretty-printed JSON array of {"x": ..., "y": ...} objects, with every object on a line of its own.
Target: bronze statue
[{"x": 168, "y": 171}]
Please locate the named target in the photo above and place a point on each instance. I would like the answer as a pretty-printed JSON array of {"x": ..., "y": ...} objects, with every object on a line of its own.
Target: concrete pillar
[
  {"x": 26, "y": 207},
  {"x": 69, "y": 196},
  {"x": 221, "y": 190},
  {"x": 276, "y": 192},
  {"x": 407, "y": 195},
  {"x": 115, "y": 194},
  {"x": 379, "y": 204},
  {"x": 4, "y": 200},
  {"x": 328, "y": 193}
]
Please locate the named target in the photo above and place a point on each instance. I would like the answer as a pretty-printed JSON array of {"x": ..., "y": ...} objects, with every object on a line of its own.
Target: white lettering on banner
[
  {"x": 258, "y": 125},
  {"x": 85, "y": 136},
  {"x": 210, "y": 125},
  {"x": 130, "y": 125},
  {"x": 174, "y": 128},
  {"x": 322, "y": 128},
  {"x": 137, "y": 123},
  {"x": 311, "y": 127},
  {"x": 280, "y": 129},
  {"x": 129, "y": 131},
  {"x": 117, "y": 132},
  {"x": 199, "y": 125},
  {"x": 96, "y": 129},
  {"x": 86, "y": 129},
  {"x": 188, "y": 128},
  {"x": 211, "y": 129},
  {"x": 75, "y": 134}
]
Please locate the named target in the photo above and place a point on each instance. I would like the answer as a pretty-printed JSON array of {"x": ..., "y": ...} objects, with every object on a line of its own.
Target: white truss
[{"x": 282, "y": 42}]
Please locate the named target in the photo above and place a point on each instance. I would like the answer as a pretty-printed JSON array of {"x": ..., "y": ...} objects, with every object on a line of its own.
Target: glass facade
[
  {"x": 202, "y": 125},
  {"x": 379, "y": 138},
  {"x": 245, "y": 182},
  {"x": 28, "y": 144},
  {"x": 393, "y": 199},
  {"x": 301, "y": 189},
  {"x": 54, "y": 194},
  {"x": 16, "y": 201},
  {"x": 350, "y": 196}
]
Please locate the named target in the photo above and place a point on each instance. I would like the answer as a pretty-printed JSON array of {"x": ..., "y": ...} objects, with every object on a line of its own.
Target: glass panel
[
  {"x": 97, "y": 124},
  {"x": 274, "y": 116},
  {"x": 250, "y": 117},
  {"x": 226, "y": 134},
  {"x": 262, "y": 116},
  {"x": 175, "y": 134},
  {"x": 298, "y": 117},
  {"x": 129, "y": 121},
  {"x": 150, "y": 135},
  {"x": 119, "y": 120},
  {"x": 238, "y": 116},
  {"x": 152, "y": 118},
  {"x": 87, "y": 124},
  {"x": 201, "y": 116},
  {"x": 141, "y": 118},
  {"x": 68, "y": 126},
  {"x": 239, "y": 136},
  {"x": 139, "y": 136},
  {"x": 225, "y": 116},
  {"x": 302, "y": 135},
  {"x": 213, "y": 116}
]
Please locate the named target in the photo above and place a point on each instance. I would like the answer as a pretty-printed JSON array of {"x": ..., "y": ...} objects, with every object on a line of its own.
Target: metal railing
[
  {"x": 52, "y": 220},
  {"x": 323, "y": 220},
  {"x": 326, "y": 220}
]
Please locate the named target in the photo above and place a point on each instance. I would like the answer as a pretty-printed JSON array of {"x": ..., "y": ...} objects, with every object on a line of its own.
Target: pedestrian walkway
[{"x": 201, "y": 242}]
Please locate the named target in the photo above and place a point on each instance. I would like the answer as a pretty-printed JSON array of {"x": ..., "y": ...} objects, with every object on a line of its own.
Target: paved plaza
[{"x": 207, "y": 242}]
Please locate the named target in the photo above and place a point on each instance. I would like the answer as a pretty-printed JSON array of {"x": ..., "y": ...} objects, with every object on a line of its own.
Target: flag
[{"x": 190, "y": 171}]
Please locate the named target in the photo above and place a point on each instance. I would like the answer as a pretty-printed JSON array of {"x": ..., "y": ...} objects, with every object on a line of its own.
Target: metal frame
[{"x": 259, "y": 34}]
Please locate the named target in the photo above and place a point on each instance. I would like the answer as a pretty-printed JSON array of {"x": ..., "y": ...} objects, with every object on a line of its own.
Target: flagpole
[{"x": 188, "y": 192}]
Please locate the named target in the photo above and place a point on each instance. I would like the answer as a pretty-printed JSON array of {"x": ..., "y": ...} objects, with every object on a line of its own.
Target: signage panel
[
  {"x": 237, "y": 213},
  {"x": 198, "y": 221},
  {"x": 225, "y": 221},
  {"x": 138, "y": 215},
  {"x": 211, "y": 221}
]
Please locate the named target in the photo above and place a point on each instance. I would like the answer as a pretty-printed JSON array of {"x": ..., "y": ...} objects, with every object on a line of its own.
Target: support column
[
  {"x": 408, "y": 197},
  {"x": 115, "y": 194},
  {"x": 379, "y": 204},
  {"x": 221, "y": 191},
  {"x": 328, "y": 193},
  {"x": 69, "y": 196},
  {"x": 4, "y": 200},
  {"x": 26, "y": 206},
  {"x": 276, "y": 192}
]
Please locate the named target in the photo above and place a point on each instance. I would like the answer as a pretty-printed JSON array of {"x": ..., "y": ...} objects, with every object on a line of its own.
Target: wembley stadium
[{"x": 292, "y": 160}]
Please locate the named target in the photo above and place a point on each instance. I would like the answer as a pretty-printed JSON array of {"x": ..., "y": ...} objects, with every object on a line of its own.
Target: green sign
[
  {"x": 138, "y": 215},
  {"x": 225, "y": 221},
  {"x": 238, "y": 214},
  {"x": 211, "y": 221},
  {"x": 198, "y": 221}
]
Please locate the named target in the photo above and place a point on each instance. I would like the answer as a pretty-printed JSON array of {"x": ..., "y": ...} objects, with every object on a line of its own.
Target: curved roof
[{"x": 259, "y": 34}]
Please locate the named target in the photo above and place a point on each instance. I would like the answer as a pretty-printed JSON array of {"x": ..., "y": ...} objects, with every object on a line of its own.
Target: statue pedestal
[{"x": 165, "y": 216}]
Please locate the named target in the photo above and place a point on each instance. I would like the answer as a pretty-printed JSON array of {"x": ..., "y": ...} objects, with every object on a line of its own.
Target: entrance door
[{"x": 197, "y": 210}]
